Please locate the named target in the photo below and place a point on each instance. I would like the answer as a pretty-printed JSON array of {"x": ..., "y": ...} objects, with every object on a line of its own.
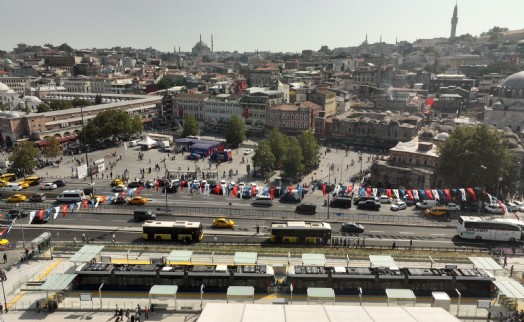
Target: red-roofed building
[{"x": 293, "y": 119}]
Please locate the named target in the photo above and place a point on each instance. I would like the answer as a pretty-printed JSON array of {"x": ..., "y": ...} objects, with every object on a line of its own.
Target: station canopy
[
  {"x": 510, "y": 288},
  {"x": 180, "y": 256},
  {"x": 240, "y": 293},
  {"x": 245, "y": 258},
  {"x": 57, "y": 282},
  {"x": 486, "y": 263},
  {"x": 313, "y": 259},
  {"x": 86, "y": 253},
  {"x": 320, "y": 293},
  {"x": 400, "y": 295},
  {"x": 163, "y": 291},
  {"x": 382, "y": 261}
]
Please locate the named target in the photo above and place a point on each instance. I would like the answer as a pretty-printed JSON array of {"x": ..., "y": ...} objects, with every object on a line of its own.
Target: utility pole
[{"x": 85, "y": 143}]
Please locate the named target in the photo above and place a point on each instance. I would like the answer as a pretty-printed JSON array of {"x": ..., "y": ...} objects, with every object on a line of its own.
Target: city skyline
[{"x": 270, "y": 25}]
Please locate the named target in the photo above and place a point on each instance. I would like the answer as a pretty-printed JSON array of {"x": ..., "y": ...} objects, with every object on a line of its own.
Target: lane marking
[
  {"x": 406, "y": 233},
  {"x": 375, "y": 231},
  {"x": 438, "y": 234}
]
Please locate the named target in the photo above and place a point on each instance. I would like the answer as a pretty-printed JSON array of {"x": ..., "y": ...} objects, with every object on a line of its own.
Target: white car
[
  {"x": 248, "y": 151},
  {"x": 48, "y": 186},
  {"x": 398, "y": 205},
  {"x": 384, "y": 199},
  {"x": 493, "y": 208},
  {"x": 453, "y": 207},
  {"x": 119, "y": 188}
]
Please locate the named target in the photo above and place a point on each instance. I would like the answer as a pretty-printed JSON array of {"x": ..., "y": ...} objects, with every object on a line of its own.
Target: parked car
[
  {"x": 193, "y": 157},
  {"x": 117, "y": 182},
  {"x": 369, "y": 205},
  {"x": 13, "y": 213},
  {"x": 398, "y": 205},
  {"x": 351, "y": 227},
  {"x": 340, "y": 202},
  {"x": 59, "y": 183},
  {"x": 360, "y": 199},
  {"x": 223, "y": 223},
  {"x": 262, "y": 201},
  {"x": 248, "y": 151},
  {"x": 38, "y": 197},
  {"x": 384, "y": 199},
  {"x": 48, "y": 186},
  {"x": 289, "y": 197},
  {"x": 170, "y": 189},
  {"x": 306, "y": 208},
  {"x": 453, "y": 207},
  {"x": 438, "y": 212},
  {"x": 493, "y": 208}
]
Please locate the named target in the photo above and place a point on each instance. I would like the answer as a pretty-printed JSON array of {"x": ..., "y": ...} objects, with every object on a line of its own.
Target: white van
[
  {"x": 13, "y": 186},
  {"x": 426, "y": 204},
  {"x": 71, "y": 196}
]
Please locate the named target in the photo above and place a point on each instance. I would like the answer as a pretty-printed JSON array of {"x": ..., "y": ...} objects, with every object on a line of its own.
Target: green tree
[
  {"x": 80, "y": 102},
  {"x": 42, "y": 107},
  {"x": 24, "y": 156},
  {"x": 165, "y": 83},
  {"x": 235, "y": 131},
  {"x": 98, "y": 99},
  {"x": 310, "y": 149},
  {"x": 476, "y": 156},
  {"x": 293, "y": 164},
  {"x": 60, "y": 105},
  {"x": 65, "y": 47},
  {"x": 278, "y": 144},
  {"x": 53, "y": 148},
  {"x": 263, "y": 157},
  {"x": 191, "y": 126},
  {"x": 500, "y": 67},
  {"x": 324, "y": 49},
  {"x": 110, "y": 124}
]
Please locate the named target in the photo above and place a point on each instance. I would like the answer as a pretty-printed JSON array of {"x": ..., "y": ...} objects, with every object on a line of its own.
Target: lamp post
[
  {"x": 21, "y": 223},
  {"x": 85, "y": 143},
  {"x": 3, "y": 277},
  {"x": 327, "y": 190}
]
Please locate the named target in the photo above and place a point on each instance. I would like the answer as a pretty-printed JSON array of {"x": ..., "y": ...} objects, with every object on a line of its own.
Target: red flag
[
  {"x": 272, "y": 192},
  {"x": 85, "y": 203},
  {"x": 290, "y": 188},
  {"x": 217, "y": 189},
  {"x": 429, "y": 194},
  {"x": 123, "y": 193},
  {"x": 41, "y": 214},
  {"x": 368, "y": 191},
  {"x": 472, "y": 192},
  {"x": 253, "y": 189},
  {"x": 410, "y": 194},
  {"x": 350, "y": 188},
  {"x": 234, "y": 191},
  {"x": 448, "y": 194},
  {"x": 518, "y": 218},
  {"x": 388, "y": 192},
  {"x": 324, "y": 189},
  {"x": 203, "y": 187},
  {"x": 139, "y": 190},
  {"x": 64, "y": 208},
  {"x": 3, "y": 232},
  {"x": 157, "y": 184},
  {"x": 430, "y": 101},
  {"x": 182, "y": 183}
]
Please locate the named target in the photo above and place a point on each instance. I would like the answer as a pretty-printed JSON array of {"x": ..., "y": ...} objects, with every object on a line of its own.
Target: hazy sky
[{"x": 244, "y": 25}]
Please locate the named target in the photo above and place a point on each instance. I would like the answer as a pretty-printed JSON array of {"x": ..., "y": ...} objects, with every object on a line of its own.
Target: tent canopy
[
  {"x": 163, "y": 290},
  {"x": 321, "y": 293},
  {"x": 147, "y": 141},
  {"x": 484, "y": 263},
  {"x": 400, "y": 295}
]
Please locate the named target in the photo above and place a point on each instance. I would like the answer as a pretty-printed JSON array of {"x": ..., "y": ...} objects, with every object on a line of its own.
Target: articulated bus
[
  {"x": 486, "y": 228},
  {"x": 300, "y": 232},
  {"x": 10, "y": 177},
  {"x": 188, "y": 231}
]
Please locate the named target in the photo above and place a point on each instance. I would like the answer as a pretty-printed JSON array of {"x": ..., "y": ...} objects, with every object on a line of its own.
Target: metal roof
[
  {"x": 403, "y": 294},
  {"x": 314, "y": 259},
  {"x": 180, "y": 256},
  {"x": 86, "y": 253},
  {"x": 163, "y": 290},
  {"x": 510, "y": 288},
  {"x": 484, "y": 263},
  {"x": 382, "y": 261},
  {"x": 321, "y": 292},
  {"x": 57, "y": 282},
  {"x": 240, "y": 291},
  {"x": 245, "y": 258}
]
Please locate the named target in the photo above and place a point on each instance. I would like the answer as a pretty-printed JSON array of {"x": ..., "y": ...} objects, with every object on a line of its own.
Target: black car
[
  {"x": 60, "y": 183},
  {"x": 134, "y": 184},
  {"x": 351, "y": 227},
  {"x": 306, "y": 208},
  {"x": 358, "y": 200},
  {"x": 13, "y": 213},
  {"x": 340, "y": 202},
  {"x": 37, "y": 197},
  {"x": 369, "y": 205},
  {"x": 119, "y": 201},
  {"x": 289, "y": 197},
  {"x": 170, "y": 189}
]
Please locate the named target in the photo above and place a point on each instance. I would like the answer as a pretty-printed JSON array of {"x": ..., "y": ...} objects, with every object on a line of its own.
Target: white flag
[
  {"x": 57, "y": 210},
  {"x": 125, "y": 145},
  {"x": 463, "y": 192},
  {"x": 224, "y": 190},
  {"x": 206, "y": 189},
  {"x": 78, "y": 206},
  {"x": 97, "y": 201},
  {"x": 435, "y": 194},
  {"x": 415, "y": 194},
  {"x": 31, "y": 216},
  {"x": 374, "y": 192},
  {"x": 395, "y": 192}
]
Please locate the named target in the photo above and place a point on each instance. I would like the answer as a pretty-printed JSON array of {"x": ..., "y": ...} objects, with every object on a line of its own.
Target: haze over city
[{"x": 287, "y": 26}]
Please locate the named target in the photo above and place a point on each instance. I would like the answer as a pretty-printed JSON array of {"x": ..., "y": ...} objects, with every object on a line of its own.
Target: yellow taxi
[
  {"x": 3, "y": 183},
  {"x": 117, "y": 182},
  {"x": 138, "y": 200},
  {"x": 223, "y": 223},
  {"x": 4, "y": 242},
  {"x": 24, "y": 184},
  {"x": 437, "y": 211},
  {"x": 101, "y": 199},
  {"x": 16, "y": 198}
]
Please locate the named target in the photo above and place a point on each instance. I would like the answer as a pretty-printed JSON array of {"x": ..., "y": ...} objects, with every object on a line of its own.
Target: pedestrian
[
  {"x": 146, "y": 312},
  {"x": 132, "y": 318},
  {"x": 363, "y": 241},
  {"x": 22, "y": 256},
  {"x": 410, "y": 243},
  {"x": 511, "y": 271},
  {"x": 358, "y": 241},
  {"x": 37, "y": 306},
  {"x": 505, "y": 261},
  {"x": 74, "y": 240},
  {"x": 127, "y": 314},
  {"x": 84, "y": 237},
  {"x": 394, "y": 245},
  {"x": 5, "y": 258},
  {"x": 258, "y": 229},
  {"x": 152, "y": 308}
]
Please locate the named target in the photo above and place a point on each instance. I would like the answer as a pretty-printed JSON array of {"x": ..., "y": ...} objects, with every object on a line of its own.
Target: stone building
[
  {"x": 447, "y": 105},
  {"x": 293, "y": 119},
  {"x": 255, "y": 104},
  {"x": 326, "y": 99}
]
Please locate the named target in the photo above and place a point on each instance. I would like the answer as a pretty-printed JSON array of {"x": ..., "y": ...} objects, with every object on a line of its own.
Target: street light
[
  {"x": 327, "y": 190},
  {"x": 21, "y": 223},
  {"x": 3, "y": 277}
]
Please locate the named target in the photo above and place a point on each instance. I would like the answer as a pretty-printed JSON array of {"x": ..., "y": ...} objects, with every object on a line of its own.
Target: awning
[
  {"x": 179, "y": 256},
  {"x": 86, "y": 254},
  {"x": 241, "y": 293},
  {"x": 400, "y": 295},
  {"x": 320, "y": 293},
  {"x": 313, "y": 259},
  {"x": 57, "y": 282},
  {"x": 163, "y": 291},
  {"x": 510, "y": 288},
  {"x": 484, "y": 263},
  {"x": 245, "y": 258},
  {"x": 382, "y": 261}
]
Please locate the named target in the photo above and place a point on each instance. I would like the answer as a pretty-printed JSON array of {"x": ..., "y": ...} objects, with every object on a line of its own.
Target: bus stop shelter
[
  {"x": 180, "y": 257},
  {"x": 510, "y": 288},
  {"x": 243, "y": 293},
  {"x": 320, "y": 294},
  {"x": 486, "y": 263},
  {"x": 382, "y": 261},
  {"x": 401, "y": 296},
  {"x": 53, "y": 283},
  {"x": 245, "y": 258},
  {"x": 163, "y": 291},
  {"x": 313, "y": 260},
  {"x": 86, "y": 254}
]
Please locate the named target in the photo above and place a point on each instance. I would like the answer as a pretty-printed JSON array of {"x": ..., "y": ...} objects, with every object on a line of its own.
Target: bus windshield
[{"x": 486, "y": 228}]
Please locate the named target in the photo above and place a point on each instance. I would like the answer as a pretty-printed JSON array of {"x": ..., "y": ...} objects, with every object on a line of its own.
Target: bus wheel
[
  {"x": 512, "y": 240},
  {"x": 478, "y": 238}
]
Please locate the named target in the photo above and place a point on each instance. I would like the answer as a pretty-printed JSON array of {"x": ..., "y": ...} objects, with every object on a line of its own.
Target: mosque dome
[
  {"x": 443, "y": 136},
  {"x": 514, "y": 81},
  {"x": 3, "y": 87}
]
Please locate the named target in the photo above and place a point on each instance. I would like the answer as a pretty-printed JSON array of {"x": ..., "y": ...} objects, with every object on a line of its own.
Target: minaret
[
  {"x": 212, "y": 44},
  {"x": 200, "y": 38},
  {"x": 454, "y": 21}
]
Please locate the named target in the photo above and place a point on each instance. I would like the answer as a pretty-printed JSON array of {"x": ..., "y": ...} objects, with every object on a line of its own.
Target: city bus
[
  {"x": 486, "y": 228},
  {"x": 10, "y": 177},
  {"x": 187, "y": 231},
  {"x": 300, "y": 232}
]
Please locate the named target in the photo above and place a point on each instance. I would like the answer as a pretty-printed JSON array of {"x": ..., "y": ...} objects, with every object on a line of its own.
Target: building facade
[
  {"x": 326, "y": 99},
  {"x": 293, "y": 119}
]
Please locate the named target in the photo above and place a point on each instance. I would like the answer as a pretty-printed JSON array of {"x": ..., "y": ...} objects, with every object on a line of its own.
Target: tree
[
  {"x": 52, "y": 149},
  {"x": 24, "y": 157},
  {"x": 235, "y": 131},
  {"x": 293, "y": 162},
  {"x": 60, "y": 105},
  {"x": 42, "y": 107},
  {"x": 494, "y": 33},
  {"x": 325, "y": 49},
  {"x": 165, "y": 83},
  {"x": 98, "y": 99},
  {"x": 500, "y": 67},
  {"x": 110, "y": 124},
  {"x": 191, "y": 126},
  {"x": 310, "y": 150},
  {"x": 65, "y": 47},
  {"x": 263, "y": 157},
  {"x": 80, "y": 102},
  {"x": 476, "y": 157},
  {"x": 278, "y": 144}
]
